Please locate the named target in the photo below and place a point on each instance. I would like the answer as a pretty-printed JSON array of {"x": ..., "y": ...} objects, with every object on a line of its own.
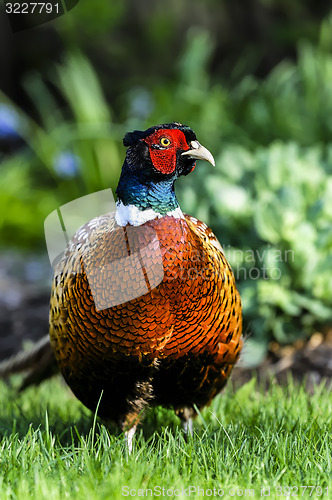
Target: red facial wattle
[{"x": 164, "y": 157}]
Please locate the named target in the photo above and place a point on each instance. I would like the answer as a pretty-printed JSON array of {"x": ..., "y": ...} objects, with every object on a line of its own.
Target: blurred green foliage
[{"x": 269, "y": 200}]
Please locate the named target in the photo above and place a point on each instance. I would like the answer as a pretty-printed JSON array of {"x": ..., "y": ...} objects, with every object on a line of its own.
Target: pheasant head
[{"x": 155, "y": 159}]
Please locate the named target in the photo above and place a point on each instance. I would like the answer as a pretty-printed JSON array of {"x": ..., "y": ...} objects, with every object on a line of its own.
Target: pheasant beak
[{"x": 199, "y": 152}]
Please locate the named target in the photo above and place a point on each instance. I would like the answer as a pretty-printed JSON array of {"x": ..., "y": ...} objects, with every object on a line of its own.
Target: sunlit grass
[{"x": 50, "y": 448}]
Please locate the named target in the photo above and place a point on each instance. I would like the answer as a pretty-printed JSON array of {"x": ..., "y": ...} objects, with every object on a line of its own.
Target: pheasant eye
[{"x": 164, "y": 141}]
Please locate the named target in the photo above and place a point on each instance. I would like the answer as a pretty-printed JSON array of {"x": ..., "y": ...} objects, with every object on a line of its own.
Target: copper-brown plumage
[{"x": 174, "y": 345}]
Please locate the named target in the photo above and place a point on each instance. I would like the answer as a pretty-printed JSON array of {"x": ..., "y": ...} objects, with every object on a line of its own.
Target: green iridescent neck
[{"x": 145, "y": 193}]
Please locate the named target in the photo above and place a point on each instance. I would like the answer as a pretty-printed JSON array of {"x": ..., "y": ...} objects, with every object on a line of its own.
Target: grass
[{"x": 51, "y": 447}]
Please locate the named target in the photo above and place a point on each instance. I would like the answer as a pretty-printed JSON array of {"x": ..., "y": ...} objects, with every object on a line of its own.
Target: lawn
[{"x": 51, "y": 447}]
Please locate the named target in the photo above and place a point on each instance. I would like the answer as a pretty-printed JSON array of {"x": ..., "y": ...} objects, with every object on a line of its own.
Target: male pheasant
[{"x": 144, "y": 308}]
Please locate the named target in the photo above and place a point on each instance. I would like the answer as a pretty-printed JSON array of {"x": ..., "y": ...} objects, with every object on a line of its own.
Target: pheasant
[{"x": 144, "y": 309}]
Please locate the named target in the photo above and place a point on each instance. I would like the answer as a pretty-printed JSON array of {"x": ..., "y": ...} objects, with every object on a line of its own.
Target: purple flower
[
  {"x": 10, "y": 122},
  {"x": 67, "y": 164}
]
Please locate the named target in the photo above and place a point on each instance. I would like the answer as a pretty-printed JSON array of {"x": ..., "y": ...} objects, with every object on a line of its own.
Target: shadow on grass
[{"x": 51, "y": 407}]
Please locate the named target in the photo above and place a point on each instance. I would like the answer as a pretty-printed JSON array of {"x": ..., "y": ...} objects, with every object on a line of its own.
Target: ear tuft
[{"x": 132, "y": 138}]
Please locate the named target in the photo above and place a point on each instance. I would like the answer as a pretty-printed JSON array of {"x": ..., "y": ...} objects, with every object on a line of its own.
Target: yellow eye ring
[{"x": 164, "y": 141}]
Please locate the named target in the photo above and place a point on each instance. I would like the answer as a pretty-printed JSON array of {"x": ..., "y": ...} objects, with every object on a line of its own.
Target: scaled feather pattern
[{"x": 146, "y": 314}]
